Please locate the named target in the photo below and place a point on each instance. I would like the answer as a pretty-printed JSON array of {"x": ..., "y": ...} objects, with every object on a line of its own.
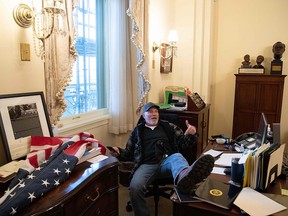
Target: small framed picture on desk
[{"x": 21, "y": 116}]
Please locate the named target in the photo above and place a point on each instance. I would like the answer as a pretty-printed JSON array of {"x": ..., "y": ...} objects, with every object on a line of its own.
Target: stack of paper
[
  {"x": 225, "y": 159},
  {"x": 255, "y": 203},
  {"x": 263, "y": 165},
  {"x": 213, "y": 153}
]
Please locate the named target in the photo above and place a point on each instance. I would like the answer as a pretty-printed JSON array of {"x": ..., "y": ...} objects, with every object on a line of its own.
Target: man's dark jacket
[{"x": 177, "y": 142}]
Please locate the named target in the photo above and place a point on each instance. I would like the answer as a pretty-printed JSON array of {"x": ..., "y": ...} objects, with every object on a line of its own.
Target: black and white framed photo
[{"x": 21, "y": 116}]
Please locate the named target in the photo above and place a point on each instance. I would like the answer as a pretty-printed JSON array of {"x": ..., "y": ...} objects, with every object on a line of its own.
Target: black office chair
[{"x": 160, "y": 187}]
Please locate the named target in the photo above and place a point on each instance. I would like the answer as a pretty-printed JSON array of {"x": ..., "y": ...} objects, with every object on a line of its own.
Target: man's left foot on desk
[{"x": 194, "y": 174}]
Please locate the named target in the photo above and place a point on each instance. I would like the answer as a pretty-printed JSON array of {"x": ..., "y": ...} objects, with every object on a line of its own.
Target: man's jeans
[{"x": 147, "y": 173}]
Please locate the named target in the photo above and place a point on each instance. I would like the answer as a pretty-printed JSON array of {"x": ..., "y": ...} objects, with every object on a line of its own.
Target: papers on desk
[
  {"x": 226, "y": 158},
  {"x": 263, "y": 165},
  {"x": 213, "y": 153},
  {"x": 97, "y": 159},
  {"x": 255, "y": 203},
  {"x": 218, "y": 170}
]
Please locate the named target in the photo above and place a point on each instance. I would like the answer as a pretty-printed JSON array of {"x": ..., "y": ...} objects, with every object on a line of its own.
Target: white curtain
[
  {"x": 119, "y": 67},
  {"x": 138, "y": 12},
  {"x": 60, "y": 54}
]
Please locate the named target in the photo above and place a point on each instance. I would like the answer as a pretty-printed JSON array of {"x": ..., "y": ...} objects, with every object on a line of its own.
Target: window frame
[{"x": 102, "y": 79}]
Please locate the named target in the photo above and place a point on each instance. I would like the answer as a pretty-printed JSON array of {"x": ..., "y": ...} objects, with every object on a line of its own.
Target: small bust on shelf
[
  {"x": 278, "y": 50},
  {"x": 259, "y": 61},
  {"x": 246, "y": 62},
  {"x": 277, "y": 64}
]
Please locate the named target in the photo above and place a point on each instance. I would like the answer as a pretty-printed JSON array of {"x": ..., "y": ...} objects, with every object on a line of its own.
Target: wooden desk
[
  {"x": 202, "y": 208},
  {"x": 92, "y": 189}
]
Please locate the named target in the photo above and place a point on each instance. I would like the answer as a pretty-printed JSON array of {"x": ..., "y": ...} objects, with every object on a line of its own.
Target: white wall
[
  {"x": 240, "y": 27},
  {"x": 245, "y": 27},
  {"x": 16, "y": 75}
]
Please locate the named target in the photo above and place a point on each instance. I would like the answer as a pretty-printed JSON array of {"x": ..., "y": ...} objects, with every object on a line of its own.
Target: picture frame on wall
[
  {"x": 22, "y": 115},
  {"x": 166, "y": 58}
]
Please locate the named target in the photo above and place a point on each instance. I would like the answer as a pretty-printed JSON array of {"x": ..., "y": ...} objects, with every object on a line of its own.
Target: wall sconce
[
  {"x": 45, "y": 18},
  {"x": 167, "y": 51}
]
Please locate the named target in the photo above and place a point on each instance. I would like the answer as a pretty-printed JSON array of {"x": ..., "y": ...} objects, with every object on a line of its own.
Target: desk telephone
[
  {"x": 245, "y": 136},
  {"x": 245, "y": 140}
]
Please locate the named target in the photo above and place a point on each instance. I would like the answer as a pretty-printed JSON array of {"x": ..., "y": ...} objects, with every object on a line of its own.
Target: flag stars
[
  {"x": 57, "y": 171},
  {"x": 56, "y": 182},
  {"x": 45, "y": 161},
  {"x": 38, "y": 168},
  {"x": 45, "y": 182},
  {"x": 31, "y": 196},
  {"x": 68, "y": 171},
  {"x": 12, "y": 195},
  {"x": 31, "y": 176},
  {"x": 21, "y": 185},
  {"x": 13, "y": 211},
  {"x": 66, "y": 161},
  {"x": 8, "y": 190}
]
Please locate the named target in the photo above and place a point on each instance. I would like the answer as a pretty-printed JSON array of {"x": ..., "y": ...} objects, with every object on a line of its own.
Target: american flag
[{"x": 49, "y": 163}]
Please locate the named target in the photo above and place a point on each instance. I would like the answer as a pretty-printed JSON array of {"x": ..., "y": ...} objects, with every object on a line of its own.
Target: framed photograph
[
  {"x": 21, "y": 116},
  {"x": 166, "y": 58}
]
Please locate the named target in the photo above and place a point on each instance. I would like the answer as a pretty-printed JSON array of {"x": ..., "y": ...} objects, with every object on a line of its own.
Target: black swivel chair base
[{"x": 157, "y": 189}]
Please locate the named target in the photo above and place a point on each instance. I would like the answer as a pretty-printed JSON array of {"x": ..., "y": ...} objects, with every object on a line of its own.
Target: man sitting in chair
[{"x": 154, "y": 146}]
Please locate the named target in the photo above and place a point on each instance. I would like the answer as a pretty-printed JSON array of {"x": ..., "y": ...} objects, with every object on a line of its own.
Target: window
[{"x": 88, "y": 88}]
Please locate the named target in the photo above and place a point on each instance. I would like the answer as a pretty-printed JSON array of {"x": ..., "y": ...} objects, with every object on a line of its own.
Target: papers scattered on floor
[
  {"x": 226, "y": 158},
  {"x": 213, "y": 153},
  {"x": 255, "y": 203}
]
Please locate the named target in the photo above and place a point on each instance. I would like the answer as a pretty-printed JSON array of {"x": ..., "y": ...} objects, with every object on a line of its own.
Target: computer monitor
[{"x": 262, "y": 130}]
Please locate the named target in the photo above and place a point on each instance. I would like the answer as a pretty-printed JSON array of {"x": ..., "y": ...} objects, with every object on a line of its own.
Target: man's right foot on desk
[{"x": 189, "y": 177}]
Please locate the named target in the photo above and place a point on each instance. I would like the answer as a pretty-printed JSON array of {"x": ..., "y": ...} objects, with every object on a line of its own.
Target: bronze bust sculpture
[
  {"x": 259, "y": 61},
  {"x": 246, "y": 62},
  {"x": 278, "y": 50},
  {"x": 277, "y": 64}
]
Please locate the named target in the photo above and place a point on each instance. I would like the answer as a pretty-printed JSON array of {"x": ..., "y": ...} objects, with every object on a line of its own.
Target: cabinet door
[
  {"x": 270, "y": 96},
  {"x": 255, "y": 94},
  {"x": 244, "y": 107}
]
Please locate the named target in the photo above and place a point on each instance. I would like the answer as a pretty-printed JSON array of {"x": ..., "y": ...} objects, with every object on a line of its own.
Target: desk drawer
[
  {"x": 93, "y": 193},
  {"x": 107, "y": 205}
]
